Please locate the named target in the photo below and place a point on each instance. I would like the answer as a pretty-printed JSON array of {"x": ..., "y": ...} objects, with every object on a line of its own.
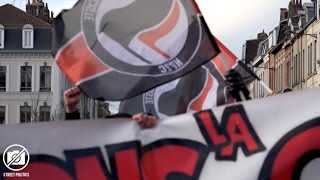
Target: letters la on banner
[
  {"x": 123, "y": 48},
  {"x": 256, "y": 140}
]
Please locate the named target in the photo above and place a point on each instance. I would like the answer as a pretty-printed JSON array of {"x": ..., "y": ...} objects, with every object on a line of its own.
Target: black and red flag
[
  {"x": 117, "y": 49},
  {"x": 204, "y": 88}
]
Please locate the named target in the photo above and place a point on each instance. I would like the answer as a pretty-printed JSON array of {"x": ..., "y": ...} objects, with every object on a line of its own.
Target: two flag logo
[{"x": 133, "y": 45}]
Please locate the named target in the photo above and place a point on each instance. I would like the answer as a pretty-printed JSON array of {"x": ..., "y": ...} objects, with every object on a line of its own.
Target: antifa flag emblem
[
  {"x": 124, "y": 48},
  {"x": 201, "y": 89}
]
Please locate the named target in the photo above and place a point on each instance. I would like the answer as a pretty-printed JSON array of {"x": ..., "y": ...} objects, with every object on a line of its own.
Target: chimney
[
  {"x": 296, "y": 2},
  {"x": 28, "y": 1},
  {"x": 262, "y": 36},
  {"x": 52, "y": 14},
  {"x": 283, "y": 14}
]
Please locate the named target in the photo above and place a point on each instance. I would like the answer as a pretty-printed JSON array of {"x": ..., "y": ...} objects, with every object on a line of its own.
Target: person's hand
[
  {"x": 145, "y": 121},
  {"x": 71, "y": 99}
]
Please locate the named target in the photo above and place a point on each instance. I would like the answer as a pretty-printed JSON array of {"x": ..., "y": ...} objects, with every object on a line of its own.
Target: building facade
[
  {"x": 30, "y": 88},
  {"x": 293, "y": 59}
]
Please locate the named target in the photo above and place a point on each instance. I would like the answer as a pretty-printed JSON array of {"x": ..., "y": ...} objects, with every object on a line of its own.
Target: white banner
[{"x": 274, "y": 138}]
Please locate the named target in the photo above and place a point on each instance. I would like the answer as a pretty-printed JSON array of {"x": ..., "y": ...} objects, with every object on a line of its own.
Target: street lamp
[
  {"x": 291, "y": 32},
  {"x": 249, "y": 65},
  {"x": 264, "y": 67}
]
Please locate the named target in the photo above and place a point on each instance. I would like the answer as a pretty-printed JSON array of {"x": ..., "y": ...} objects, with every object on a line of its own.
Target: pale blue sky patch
[{"x": 232, "y": 21}]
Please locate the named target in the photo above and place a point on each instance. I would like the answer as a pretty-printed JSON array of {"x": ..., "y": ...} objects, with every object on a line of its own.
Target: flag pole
[
  {"x": 254, "y": 75},
  {"x": 266, "y": 86}
]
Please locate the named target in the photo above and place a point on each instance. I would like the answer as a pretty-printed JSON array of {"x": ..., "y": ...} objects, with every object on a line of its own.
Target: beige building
[
  {"x": 260, "y": 66},
  {"x": 294, "y": 61},
  {"x": 304, "y": 56}
]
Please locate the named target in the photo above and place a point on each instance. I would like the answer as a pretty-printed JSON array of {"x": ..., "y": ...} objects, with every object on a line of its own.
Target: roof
[{"x": 10, "y": 16}]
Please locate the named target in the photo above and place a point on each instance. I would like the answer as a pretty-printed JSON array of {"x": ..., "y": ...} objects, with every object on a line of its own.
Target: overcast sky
[{"x": 231, "y": 21}]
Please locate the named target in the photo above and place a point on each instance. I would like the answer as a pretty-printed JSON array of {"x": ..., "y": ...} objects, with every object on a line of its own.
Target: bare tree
[{"x": 41, "y": 111}]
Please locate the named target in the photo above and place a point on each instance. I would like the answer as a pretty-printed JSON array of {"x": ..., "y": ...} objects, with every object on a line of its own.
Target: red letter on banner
[
  {"x": 178, "y": 159},
  {"x": 89, "y": 168},
  {"x": 124, "y": 160},
  {"x": 214, "y": 135},
  {"x": 241, "y": 133},
  {"x": 46, "y": 170},
  {"x": 88, "y": 164}
]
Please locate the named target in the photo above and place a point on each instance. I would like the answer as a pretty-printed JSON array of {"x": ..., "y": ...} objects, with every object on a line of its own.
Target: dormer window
[
  {"x": 1, "y": 36},
  {"x": 264, "y": 50},
  {"x": 27, "y": 36}
]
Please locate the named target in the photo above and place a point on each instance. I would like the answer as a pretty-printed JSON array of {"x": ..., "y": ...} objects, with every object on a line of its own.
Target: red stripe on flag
[
  {"x": 78, "y": 62},
  {"x": 229, "y": 57},
  {"x": 197, "y": 104},
  {"x": 196, "y": 7},
  {"x": 225, "y": 58},
  {"x": 218, "y": 62},
  {"x": 150, "y": 37}
]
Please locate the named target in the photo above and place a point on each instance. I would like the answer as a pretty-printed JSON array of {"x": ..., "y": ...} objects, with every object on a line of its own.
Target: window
[
  {"x": 44, "y": 113},
  {"x": 26, "y": 75},
  {"x": 25, "y": 113},
  {"x": 288, "y": 80},
  {"x": 3, "y": 77},
  {"x": 2, "y": 114},
  {"x": 1, "y": 37},
  {"x": 315, "y": 56},
  {"x": 27, "y": 36},
  {"x": 45, "y": 78},
  {"x": 281, "y": 77},
  {"x": 299, "y": 69},
  {"x": 263, "y": 51},
  {"x": 304, "y": 64},
  {"x": 310, "y": 60},
  {"x": 296, "y": 69},
  {"x": 292, "y": 71}
]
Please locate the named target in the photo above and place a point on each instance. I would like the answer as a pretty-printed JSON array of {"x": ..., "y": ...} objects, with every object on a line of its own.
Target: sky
[{"x": 233, "y": 21}]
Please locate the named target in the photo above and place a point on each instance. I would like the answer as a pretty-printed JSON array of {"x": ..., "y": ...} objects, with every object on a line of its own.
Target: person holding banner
[{"x": 72, "y": 98}]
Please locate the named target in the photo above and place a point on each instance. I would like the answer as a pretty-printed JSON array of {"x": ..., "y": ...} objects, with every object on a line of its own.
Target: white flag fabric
[{"x": 274, "y": 138}]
